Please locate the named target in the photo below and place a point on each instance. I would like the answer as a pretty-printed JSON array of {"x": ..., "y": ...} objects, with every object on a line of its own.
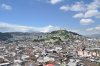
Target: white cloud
[
  {"x": 5, "y": 27},
  {"x": 89, "y": 29},
  {"x": 78, "y": 6},
  {"x": 86, "y": 21},
  {"x": 85, "y": 11},
  {"x": 54, "y": 1},
  {"x": 81, "y": 6},
  {"x": 79, "y": 15},
  {"x": 97, "y": 28},
  {"x": 93, "y": 9},
  {"x": 92, "y": 13},
  {"x": 93, "y": 5},
  {"x": 64, "y": 8},
  {"x": 6, "y": 7},
  {"x": 48, "y": 28},
  {"x": 98, "y": 16},
  {"x": 12, "y": 27},
  {"x": 94, "y": 30}
]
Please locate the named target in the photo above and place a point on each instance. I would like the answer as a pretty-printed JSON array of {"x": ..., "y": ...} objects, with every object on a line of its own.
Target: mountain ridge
[
  {"x": 62, "y": 34},
  {"x": 94, "y": 36}
]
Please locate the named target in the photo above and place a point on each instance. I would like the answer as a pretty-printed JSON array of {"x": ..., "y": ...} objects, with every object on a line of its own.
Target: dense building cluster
[
  {"x": 67, "y": 52},
  {"x": 71, "y": 53}
]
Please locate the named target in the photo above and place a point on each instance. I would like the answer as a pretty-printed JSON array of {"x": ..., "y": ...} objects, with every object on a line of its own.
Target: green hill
[{"x": 59, "y": 35}]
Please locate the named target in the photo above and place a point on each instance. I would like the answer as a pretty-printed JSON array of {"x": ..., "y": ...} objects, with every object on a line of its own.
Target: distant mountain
[
  {"x": 94, "y": 36},
  {"x": 5, "y": 36},
  {"x": 54, "y": 35},
  {"x": 26, "y": 35}
]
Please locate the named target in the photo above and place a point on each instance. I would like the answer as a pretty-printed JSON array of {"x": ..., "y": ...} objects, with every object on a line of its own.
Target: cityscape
[
  {"x": 50, "y": 33},
  {"x": 57, "y": 47}
]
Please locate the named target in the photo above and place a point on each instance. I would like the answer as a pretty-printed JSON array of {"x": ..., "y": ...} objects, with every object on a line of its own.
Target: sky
[{"x": 81, "y": 16}]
